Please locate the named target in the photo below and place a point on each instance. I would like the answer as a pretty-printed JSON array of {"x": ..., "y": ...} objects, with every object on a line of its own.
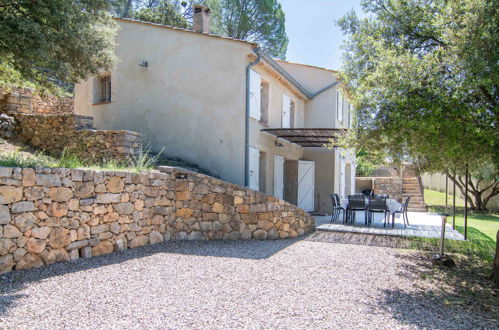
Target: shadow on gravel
[
  {"x": 459, "y": 298},
  {"x": 14, "y": 281}
]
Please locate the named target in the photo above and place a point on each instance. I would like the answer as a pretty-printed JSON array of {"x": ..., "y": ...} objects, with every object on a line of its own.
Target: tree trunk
[
  {"x": 477, "y": 199},
  {"x": 496, "y": 260}
]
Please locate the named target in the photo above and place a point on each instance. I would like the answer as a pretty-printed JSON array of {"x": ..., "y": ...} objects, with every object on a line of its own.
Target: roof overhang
[{"x": 307, "y": 137}]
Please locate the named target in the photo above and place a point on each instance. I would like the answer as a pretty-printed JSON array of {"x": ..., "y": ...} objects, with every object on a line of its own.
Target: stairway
[{"x": 410, "y": 187}]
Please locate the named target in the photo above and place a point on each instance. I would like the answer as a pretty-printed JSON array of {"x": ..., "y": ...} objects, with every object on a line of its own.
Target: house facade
[{"x": 224, "y": 105}]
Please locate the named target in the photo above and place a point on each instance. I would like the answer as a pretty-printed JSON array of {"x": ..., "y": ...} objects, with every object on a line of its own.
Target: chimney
[{"x": 201, "y": 21}]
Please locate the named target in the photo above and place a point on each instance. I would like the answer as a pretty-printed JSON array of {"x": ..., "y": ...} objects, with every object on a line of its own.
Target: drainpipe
[{"x": 247, "y": 121}]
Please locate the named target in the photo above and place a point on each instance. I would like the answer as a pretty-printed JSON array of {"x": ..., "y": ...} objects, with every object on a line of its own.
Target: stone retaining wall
[
  {"x": 53, "y": 215},
  {"x": 389, "y": 186},
  {"x": 53, "y": 133},
  {"x": 24, "y": 100}
]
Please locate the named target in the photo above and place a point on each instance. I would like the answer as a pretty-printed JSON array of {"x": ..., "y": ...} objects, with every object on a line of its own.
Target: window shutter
[
  {"x": 339, "y": 99},
  {"x": 255, "y": 97},
  {"x": 286, "y": 116}
]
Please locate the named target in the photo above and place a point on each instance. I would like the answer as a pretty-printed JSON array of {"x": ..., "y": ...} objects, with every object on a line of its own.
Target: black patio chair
[
  {"x": 403, "y": 211},
  {"x": 377, "y": 205},
  {"x": 367, "y": 192},
  {"x": 356, "y": 203},
  {"x": 337, "y": 208}
]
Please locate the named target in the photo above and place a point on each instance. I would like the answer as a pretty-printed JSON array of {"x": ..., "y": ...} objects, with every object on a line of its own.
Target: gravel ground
[{"x": 257, "y": 284}]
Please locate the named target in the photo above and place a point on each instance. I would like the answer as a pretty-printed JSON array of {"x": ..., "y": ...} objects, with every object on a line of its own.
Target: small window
[
  {"x": 102, "y": 89},
  {"x": 339, "y": 103}
]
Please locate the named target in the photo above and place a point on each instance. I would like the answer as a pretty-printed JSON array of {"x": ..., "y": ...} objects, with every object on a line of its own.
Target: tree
[
  {"x": 423, "y": 76},
  {"x": 260, "y": 21},
  {"x": 55, "y": 41}
]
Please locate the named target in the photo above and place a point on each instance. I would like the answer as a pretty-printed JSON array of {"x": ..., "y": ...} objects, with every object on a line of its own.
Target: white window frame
[{"x": 255, "y": 95}]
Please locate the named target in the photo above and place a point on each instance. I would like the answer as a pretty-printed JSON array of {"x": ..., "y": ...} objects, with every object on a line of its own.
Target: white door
[
  {"x": 306, "y": 185},
  {"x": 286, "y": 111},
  {"x": 279, "y": 177},
  {"x": 254, "y": 166}
]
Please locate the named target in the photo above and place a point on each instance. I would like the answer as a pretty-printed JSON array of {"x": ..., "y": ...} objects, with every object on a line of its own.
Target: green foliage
[
  {"x": 49, "y": 42},
  {"x": 19, "y": 159},
  {"x": 260, "y": 21},
  {"x": 366, "y": 163},
  {"x": 144, "y": 159},
  {"x": 423, "y": 76}
]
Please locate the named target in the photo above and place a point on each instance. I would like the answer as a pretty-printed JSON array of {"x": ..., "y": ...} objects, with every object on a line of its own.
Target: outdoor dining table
[{"x": 392, "y": 205}]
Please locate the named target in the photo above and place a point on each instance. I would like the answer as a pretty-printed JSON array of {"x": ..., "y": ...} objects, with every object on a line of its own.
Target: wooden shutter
[
  {"x": 286, "y": 111},
  {"x": 255, "y": 95},
  {"x": 339, "y": 99}
]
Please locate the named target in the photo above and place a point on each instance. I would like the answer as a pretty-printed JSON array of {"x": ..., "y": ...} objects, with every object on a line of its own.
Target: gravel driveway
[{"x": 254, "y": 284}]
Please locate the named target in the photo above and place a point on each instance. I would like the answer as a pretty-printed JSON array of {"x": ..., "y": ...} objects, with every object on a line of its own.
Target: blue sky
[{"x": 313, "y": 36}]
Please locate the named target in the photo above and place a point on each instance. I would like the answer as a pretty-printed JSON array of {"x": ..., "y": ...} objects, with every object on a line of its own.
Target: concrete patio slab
[{"x": 421, "y": 225}]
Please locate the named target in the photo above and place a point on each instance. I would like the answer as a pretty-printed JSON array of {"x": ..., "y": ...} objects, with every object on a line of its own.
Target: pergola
[{"x": 307, "y": 137}]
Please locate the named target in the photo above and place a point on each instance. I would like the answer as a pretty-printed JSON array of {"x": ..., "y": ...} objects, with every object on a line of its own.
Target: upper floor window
[
  {"x": 288, "y": 112},
  {"x": 102, "y": 89},
  {"x": 339, "y": 105}
]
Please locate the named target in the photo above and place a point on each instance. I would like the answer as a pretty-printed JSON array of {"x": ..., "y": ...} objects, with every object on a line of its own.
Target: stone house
[{"x": 225, "y": 105}]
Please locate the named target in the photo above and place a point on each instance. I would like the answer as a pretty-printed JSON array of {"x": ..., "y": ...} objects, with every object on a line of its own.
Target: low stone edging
[{"x": 53, "y": 215}]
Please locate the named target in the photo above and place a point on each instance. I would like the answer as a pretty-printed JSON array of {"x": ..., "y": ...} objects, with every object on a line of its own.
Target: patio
[{"x": 421, "y": 225}]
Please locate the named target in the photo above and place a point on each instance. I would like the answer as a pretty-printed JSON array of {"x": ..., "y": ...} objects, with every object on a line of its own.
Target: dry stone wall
[
  {"x": 389, "y": 186},
  {"x": 53, "y": 133},
  {"x": 24, "y": 100},
  {"x": 53, "y": 215}
]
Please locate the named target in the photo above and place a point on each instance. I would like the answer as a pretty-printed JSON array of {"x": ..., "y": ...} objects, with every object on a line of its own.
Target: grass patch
[{"x": 19, "y": 158}]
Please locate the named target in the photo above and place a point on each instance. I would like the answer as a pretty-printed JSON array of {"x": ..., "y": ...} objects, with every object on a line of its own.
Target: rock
[
  {"x": 29, "y": 261},
  {"x": 9, "y": 194},
  {"x": 60, "y": 194},
  {"x": 233, "y": 236},
  {"x": 283, "y": 234},
  {"x": 217, "y": 208},
  {"x": 10, "y": 231},
  {"x": 184, "y": 213},
  {"x": 183, "y": 195},
  {"x": 99, "y": 229},
  {"x": 103, "y": 247},
  {"x": 35, "y": 245},
  {"x": 260, "y": 234},
  {"x": 19, "y": 253},
  {"x": 86, "y": 252},
  {"x": 5, "y": 245},
  {"x": 59, "y": 238},
  {"x": 77, "y": 245},
  {"x": 34, "y": 193},
  {"x": 4, "y": 215},
  {"x": 138, "y": 241},
  {"x": 272, "y": 234},
  {"x": 265, "y": 224},
  {"x": 21, "y": 207},
  {"x": 28, "y": 177},
  {"x": 84, "y": 189},
  {"x": 115, "y": 185},
  {"x": 6, "y": 263},
  {"x": 74, "y": 255},
  {"x": 41, "y": 232},
  {"x": 167, "y": 236},
  {"x": 246, "y": 235},
  {"x": 74, "y": 204},
  {"x": 55, "y": 255},
  {"x": 120, "y": 245},
  {"x": 48, "y": 180},
  {"x": 5, "y": 172},
  {"x": 155, "y": 237},
  {"x": 58, "y": 210},
  {"x": 115, "y": 228},
  {"x": 108, "y": 198},
  {"x": 124, "y": 208},
  {"x": 25, "y": 221},
  {"x": 196, "y": 235},
  {"x": 238, "y": 200},
  {"x": 181, "y": 235}
]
